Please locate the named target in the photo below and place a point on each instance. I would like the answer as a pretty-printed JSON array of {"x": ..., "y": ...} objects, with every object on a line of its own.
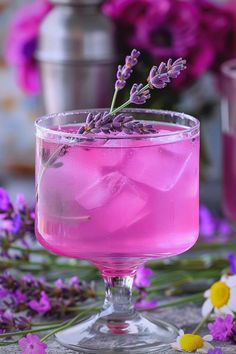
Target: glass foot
[{"x": 105, "y": 335}]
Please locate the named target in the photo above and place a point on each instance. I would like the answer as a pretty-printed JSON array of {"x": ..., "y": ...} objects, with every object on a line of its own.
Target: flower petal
[
  {"x": 207, "y": 307},
  {"x": 231, "y": 281},
  {"x": 208, "y": 338},
  {"x": 224, "y": 310},
  {"x": 207, "y": 293},
  {"x": 175, "y": 347}
]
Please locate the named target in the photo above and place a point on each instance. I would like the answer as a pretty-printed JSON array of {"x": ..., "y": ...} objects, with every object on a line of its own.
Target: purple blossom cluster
[
  {"x": 223, "y": 329},
  {"x": 178, "y": 28},
  {"x": 16, "y": 222},
  {"x": 141, "y": 282},
  {"x": 124, "y": 72},
  {"x": 10, "y": 322},
  {"x": 213, "y": 228},
  {"x": 31, "y": 344},
  {"x": 37, "y": 297}
]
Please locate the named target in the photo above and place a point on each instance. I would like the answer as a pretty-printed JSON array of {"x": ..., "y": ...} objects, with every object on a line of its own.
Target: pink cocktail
[
  {"x": 118, "y": 201},
  {"x": 229, "y": 170}
]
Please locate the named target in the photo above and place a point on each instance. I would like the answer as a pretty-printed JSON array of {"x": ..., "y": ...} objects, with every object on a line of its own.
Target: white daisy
[
  {"x": 221, "y": 296},
  {"x": 192, "y": 343}
]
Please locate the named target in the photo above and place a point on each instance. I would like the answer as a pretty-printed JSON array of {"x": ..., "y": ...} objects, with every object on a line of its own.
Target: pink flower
[
  {"x": 142, "y": 277},
  {"x": 222, "y": 328},
  {"x": 31, "y": 344},
  {"x": 21, "y": 43},
  {"x": 42, "y": 306},
  {"x": 141, "y": 304}
]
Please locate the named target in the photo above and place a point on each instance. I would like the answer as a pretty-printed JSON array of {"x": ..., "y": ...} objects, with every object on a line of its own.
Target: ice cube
[
  {"x": 159, "y": 166},
  {"x": 103, "y": 189}
]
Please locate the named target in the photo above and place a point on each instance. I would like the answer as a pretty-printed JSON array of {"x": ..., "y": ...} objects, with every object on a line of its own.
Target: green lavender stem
[
  {"x": 113, "y": 100},
  {"x": 201, "y": 324},
  {"x": 20, "y": 333}
]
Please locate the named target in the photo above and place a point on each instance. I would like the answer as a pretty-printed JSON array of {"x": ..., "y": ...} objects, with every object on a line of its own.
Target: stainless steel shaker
[{"x": 76, "y": 53}]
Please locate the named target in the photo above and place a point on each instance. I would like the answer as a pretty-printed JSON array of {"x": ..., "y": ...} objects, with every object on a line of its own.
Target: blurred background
[{"x": 62, "y": 54}]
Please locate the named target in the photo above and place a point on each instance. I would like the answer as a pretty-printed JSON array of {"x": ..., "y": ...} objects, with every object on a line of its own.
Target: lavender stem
[{"x": 113, "y": 100}]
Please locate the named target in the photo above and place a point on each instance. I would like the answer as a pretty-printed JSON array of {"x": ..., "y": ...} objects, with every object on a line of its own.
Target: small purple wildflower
[
  {"x": 59, "y": 283},
  {"x": 43, "y": 305},
  {"x": 4, "y": 200},
  {"x": 5, "y": 224},
  {"x": 20, "y": 202},
  {"x": 3, "y": 292},
  {"x": 19, "y": 297},
  {"x": 138, "y": 96},
  {"x": 16, "y": 223},
  {"x": 124, "y": 72},
  {"x": 74, "y": 281},
  {"x": 160, "y": 76},
  {"x": 232, "y": 263},
  {"x": 221, "y": 329},
  {"x": 142, "y": 279},
  {"x": 215, "y": 351},
  {"x": 143, "y": 303},
  {"x": 31, "y": 344},
  {"x": 12, "y": 323}
]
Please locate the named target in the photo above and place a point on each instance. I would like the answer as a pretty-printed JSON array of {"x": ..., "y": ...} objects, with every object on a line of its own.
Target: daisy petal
[
  {"x": 207, "y": 346},
  {"x": 207, "y": 293},
  {"x": 232, "y": 300},
  {"x": 208, "y": 338},
  {"x": 207, "y": 307},
  {"x": 181, "y": 332},
  {"x": 175, "y": 346},
  {"x": 224, "y": 310},
  {"x": 231, "y": 281}
]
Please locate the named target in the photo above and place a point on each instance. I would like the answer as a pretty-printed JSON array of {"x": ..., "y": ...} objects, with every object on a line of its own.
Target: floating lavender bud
[
  {"x": 138, "y": 96},
  {"x": 160, "y": 76},
  {"x": 124, "y": 72}
]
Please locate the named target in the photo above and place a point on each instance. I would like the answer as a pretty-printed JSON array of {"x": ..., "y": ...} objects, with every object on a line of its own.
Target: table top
[{"x": 192, "y": 316}]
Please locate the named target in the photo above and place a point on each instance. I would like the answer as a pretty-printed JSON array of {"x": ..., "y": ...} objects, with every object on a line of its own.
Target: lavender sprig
[
  {"x": 158, "y": 78},
  {"x": 107, "y": 124}
]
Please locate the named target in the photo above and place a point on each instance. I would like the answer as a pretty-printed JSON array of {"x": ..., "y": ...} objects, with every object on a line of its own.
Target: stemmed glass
[{"x": 118, "y": 201}]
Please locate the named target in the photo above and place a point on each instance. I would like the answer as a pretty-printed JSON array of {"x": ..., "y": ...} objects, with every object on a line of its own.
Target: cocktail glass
[{"x": 118, "y": 201}]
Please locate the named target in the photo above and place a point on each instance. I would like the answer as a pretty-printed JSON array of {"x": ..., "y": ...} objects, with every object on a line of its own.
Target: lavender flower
[
  {"x": 160, "y": 76},
  {"x": 124, "y": 72},
  {"x": 232, "y": 263},
  {"x": 142, "y": 278},
  {"x": 12, "y": 323},
  {"x": 215, "y": 351},
  {"x": 4, "y": 200},
  {"x": 106, "y": 123},
  {"x": 221, "y": 329},
  {"x": 139, "y": 96},
  {"x": 42, "y": 305},
  {"x": 31, "y": 344},
  {"x": 143, "y": 303}
]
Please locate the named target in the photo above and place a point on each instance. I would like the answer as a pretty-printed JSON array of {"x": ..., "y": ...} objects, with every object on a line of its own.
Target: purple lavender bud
[
  {"x": 120, "y": 84},
  {"x": 137, "y": 96},
  {"x": 135, "y": 53},
  {"x": 124, "y": 72},
  {"x": 160, "y": 76}
]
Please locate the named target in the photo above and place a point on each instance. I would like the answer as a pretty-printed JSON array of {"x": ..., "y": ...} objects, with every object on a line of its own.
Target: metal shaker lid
[
  {"x": 76, "y": 34},
  {"x": 76, "y": 2}
]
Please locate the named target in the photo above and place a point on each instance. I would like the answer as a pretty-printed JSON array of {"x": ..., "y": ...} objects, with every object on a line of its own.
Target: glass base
[{"x": 133, "y": 333}]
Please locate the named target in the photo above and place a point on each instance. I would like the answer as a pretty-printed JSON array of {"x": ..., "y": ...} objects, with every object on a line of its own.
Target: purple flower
[
  {"x": 142, "y": 279},
  {"x": 74, "y": 281},
  {"x": 4, "y": 200},
  {"x": 42, "y": 306},
  {"x": 20, "y": 202},
  {"x": 19, "y": 297},
  {"x": 207, "y": 222},
  {"x": 16, "y": 223},
  {"x": 232, "y": 263},
  {"x": 21, "y": 43},
  {"x": 143, "y": 303},
  {"x": 31, "y": 344},
  {"x": 124, "y": 72},
  {"x": 3, "y": 292},
  {"x": 59, "y": 283},
  {"x": 5, "y": 224},
  {"x": 221, "y": 329},
  {"x": 160, "y": 76},
  {"x": 138, "y": 96},
  {"x": 215, "y": 351}
]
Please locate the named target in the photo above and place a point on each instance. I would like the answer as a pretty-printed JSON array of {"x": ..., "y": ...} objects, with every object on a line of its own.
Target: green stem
[
  {"x": 113, "y": 100},
  {"x": 46, "y": 324},
  {"x": 127, "y": 103},
  {"x": 68, "y": 324},
  {"x": 19, "y": 333},
  {"x": 182, "y": 301},
  {"x": 201, "y": 324}
]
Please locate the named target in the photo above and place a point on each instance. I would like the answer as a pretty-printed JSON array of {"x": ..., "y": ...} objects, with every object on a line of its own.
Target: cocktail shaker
[{"x": 76, "y": 54}]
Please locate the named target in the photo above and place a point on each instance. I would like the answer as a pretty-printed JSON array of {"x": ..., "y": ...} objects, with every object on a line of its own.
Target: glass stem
[{"x": 118, "y": 297}]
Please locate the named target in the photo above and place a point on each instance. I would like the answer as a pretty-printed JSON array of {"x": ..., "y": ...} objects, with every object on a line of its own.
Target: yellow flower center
[
  {"x": 219, "y": 294},
  {"x": 191, "y": 342}
]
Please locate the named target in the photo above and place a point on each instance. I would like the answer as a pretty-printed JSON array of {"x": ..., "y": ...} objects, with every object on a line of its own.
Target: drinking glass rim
[{"x": 187, "y": 132}]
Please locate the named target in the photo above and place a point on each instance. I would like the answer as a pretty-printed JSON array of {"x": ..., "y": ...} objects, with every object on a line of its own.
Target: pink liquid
[
  {"x": 119, "y": 202},
  {"x": 229, "y": 171}
]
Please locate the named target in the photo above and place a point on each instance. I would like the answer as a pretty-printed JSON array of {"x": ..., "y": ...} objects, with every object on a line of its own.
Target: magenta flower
[
  {"x": 232, "y": 263},
  {"x": 142, "y": 279},
  {"x": 74, "y": 281},
  {"x": 31, "y": 344},
  {"x": 143, "y": 303},
  {"x": 42, "y": 306},
  {"x": 4, "y": 200},
  {"x": 59, "y": 283},
  {"x": 20, "y": 202},
  {"x": 222, "y": 328},
  {"x": 21, "y": 43}
]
